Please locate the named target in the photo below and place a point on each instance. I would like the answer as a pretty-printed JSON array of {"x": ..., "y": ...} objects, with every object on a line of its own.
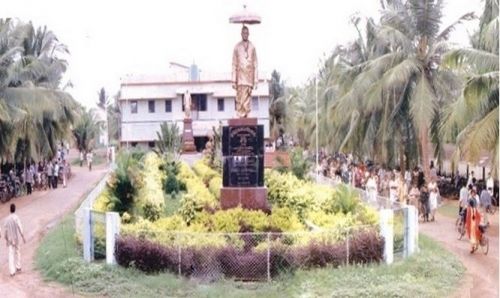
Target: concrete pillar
[
  {"x": 112, "y": 230},
  {"x": 88, "y": 252},
  {"x": 410, "y": 230},
  {"x": 387, "y": 231}
]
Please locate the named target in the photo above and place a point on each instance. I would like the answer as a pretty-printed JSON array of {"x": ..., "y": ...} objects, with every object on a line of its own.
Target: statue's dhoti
[{"x": 243, "y": 100}]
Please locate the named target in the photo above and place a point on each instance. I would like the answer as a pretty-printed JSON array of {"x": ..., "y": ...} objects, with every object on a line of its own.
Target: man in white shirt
[
  {"x": 463, "y": 199},
  {"x": 490, "y": 184},
  {"x": 12, "y": 230}
]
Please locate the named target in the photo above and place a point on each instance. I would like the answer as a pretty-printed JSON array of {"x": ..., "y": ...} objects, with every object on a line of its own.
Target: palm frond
[
  {"x": 445, "y": 34},
  {"x": 481, "y": 60},
  {"x": 479, "y": 135},
  {"x": 423, "y": 104}
]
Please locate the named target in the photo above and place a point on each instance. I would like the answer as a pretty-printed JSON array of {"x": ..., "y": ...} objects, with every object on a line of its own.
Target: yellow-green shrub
[
  {"x": 231, "y": 220},
  {"x": 149, "y": 197},
  {"x": 102, "y": 201},
  {"x": 215, "y": 185},
  {"x": 285, "y": 220},
  {"x": 204, "y": 171}
]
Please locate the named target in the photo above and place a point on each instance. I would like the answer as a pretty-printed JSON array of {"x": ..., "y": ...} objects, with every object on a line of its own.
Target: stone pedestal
[
  {"x": 187, "y": 137},
  {"x": 243, "y": 165}
]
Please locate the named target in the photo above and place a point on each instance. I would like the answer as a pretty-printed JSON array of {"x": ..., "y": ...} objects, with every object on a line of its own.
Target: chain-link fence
[{"x": 248, "y": 256}]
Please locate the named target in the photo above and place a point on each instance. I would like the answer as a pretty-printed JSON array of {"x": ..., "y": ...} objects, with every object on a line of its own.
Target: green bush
[
  {"x": 124, "y": 182},
  {"x": 171, "y": 184},
  {"x": 151, "y": 212}
]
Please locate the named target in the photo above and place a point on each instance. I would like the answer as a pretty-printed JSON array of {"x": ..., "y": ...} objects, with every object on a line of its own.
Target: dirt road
[
  {"x": 37, "y": 211},
  {"x": 481, "y": 278}
]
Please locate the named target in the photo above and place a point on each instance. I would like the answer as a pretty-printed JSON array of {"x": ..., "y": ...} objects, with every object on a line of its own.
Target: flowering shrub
[{"x": 249, "y": 264}]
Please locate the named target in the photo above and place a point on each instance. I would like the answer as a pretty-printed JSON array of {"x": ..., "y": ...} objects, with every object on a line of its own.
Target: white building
[{"x": 148, "y": 101}]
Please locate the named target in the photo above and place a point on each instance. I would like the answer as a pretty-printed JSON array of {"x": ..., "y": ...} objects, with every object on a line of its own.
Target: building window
[
  {"x": 201, "y": 102},
  {"x": 151, "y": 144},
  {"x": 168, "y": 106},
  {"x": 133, "y": 107},
  {"x": 151, "y": 106},
  {"x": 220, "y": 104},
  {"x": 255, "y": 103}
]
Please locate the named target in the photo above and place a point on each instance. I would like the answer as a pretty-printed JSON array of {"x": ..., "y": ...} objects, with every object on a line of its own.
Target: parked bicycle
[{"x": 460, "y": 224}]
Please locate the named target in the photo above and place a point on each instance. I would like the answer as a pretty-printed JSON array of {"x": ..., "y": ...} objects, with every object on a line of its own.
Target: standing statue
[
  {"x": 244, "y": 74},
  {"x": 187, "y": 105}
]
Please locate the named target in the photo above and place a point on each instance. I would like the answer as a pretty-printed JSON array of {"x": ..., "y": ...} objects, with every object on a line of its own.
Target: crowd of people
[
  {"x": 410, "y": 187},
  {"x": 400, "y": 188},
  {"x": 45, "y": 174}
]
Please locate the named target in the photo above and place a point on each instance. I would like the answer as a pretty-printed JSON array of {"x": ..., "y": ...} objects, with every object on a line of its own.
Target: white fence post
[
  {"x": 88, "y": 254},
  {"x": 410, "y": 228},
  {"x": 387, "y": 231},
  {"x": 112, "y": 230}
]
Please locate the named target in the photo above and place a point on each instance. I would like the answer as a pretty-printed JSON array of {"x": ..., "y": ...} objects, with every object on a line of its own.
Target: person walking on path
[
  {"x": 89, "y": 160},
  {"x": 12, "y": 231},
  {"x": 472, "y": 221}
]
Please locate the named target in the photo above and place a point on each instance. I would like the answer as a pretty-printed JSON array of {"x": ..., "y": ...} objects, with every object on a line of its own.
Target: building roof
[{"x": 172, "y": 85}]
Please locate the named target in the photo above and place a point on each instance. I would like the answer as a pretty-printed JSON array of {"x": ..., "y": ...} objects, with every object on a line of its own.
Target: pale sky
[{"x": 109, "y": 39}]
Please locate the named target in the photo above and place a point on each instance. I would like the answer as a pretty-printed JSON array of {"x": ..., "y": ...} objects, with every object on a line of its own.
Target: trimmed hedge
[{"x": 246, "y": 264}]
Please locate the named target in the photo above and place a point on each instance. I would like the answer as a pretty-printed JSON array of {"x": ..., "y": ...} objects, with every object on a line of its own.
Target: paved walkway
[
  {"x": 481, "y": 279},
  {"x": 37, "y": 212}
]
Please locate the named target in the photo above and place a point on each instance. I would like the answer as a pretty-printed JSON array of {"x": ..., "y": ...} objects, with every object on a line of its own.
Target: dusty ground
[
  {"x": 37, "y": 212},
  {"x": 481, "y": 278}
]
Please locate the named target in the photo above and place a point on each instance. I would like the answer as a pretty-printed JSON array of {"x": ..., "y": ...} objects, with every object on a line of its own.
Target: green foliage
[
  {"x": 286, "y": 190},
  {"x": 150, "y": 191},
  {"x": 345, "y": 200},
  {"x": 204, "y": 171},
  {"x": 151, "y": 211},
  {"x": 299, "y": 164},
  {"x": 285, "y": 220},
  {"x": 198, "y": 196},
  {"x": 171, "y": 184},
  {"x": 169, "y": 139},
  {"x": 123, "y": 183},
  {"x": 86, "y": 130},
  {"x": 232, "y": 220},
  {"x": 215, "y": 185}
]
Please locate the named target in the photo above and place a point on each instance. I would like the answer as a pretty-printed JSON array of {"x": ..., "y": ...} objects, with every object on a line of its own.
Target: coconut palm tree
[
  {"x": 389, "y": 104},
  {"x": 472, "y": 120},
  {"x": 86, "y": 130},
  {"x": 34, "y": 114}
]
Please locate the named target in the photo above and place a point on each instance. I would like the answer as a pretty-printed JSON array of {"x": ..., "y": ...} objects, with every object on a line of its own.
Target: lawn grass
[
  {"x": 433, "y": 272},
  {"x": 172, "y": 204}
]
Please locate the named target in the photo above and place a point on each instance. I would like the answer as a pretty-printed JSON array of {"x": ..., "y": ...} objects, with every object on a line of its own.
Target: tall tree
[
  {"x": 103, "y": 101},
  {"x": 34, "y": 113},
  {"x": 402, "y": 80},
  {"x": 472, "y": 120},
  {"x": 86, "y": 130}
]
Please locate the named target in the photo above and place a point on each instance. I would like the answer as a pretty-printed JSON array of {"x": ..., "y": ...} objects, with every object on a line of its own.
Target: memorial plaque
[
  {"x": 243, "y": 140},
  {"x": 243, "y": 171}
]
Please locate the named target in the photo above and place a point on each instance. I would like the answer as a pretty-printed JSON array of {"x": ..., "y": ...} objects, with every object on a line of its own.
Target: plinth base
[
  {"x": 188, "y": 147},
  {"x": 254, "y": 198},
  {"x": 187, "y": 137}
]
